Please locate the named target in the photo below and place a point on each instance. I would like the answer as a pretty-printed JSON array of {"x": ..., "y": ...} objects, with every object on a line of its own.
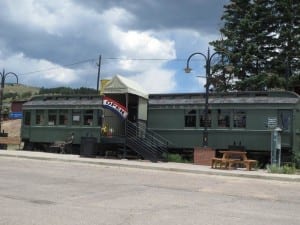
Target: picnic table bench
[
  {"x": 62, "y": 146},
  {"x": 231, "y": 159},
  {"x": 11, "y": 140}
]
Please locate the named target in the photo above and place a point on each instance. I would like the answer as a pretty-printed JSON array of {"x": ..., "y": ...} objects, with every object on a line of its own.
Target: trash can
[{"x": 88, "y": 147}]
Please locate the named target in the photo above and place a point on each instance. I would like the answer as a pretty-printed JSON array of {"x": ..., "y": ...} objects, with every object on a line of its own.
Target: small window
[
  {"x": 223, "y": 118},
  {"x": 239, "y": 119},
  {"x": 63, "y": 117},
  {"x": 88, "y": 117},
  {"x": 27, "y": 119},
  {"x": 39, "y": 117},
  {"x": 285, "y": 120},
  {"x": 190, "y": 118},
  {"x": 100, "y": 117},
  {"x": 52, "y": 117},
  {"x": 76, "y": 117},
  {"x": 202, "y": 118}
]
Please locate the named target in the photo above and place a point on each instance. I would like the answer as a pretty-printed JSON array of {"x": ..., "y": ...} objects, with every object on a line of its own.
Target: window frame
[
  {"x": 239, "y": 119},
  {"x": 190, "y": 118},
  {"x": 202, "y": 118},
  {"x": 52, "y": 117},
  {"x": 223, "y": 117}
]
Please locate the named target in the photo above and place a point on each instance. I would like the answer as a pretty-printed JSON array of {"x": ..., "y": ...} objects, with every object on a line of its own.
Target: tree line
[
  {"x": 261, "y": 42},
  {"x": 68, "y": 91},
  {"x": 47, "y": 91}
]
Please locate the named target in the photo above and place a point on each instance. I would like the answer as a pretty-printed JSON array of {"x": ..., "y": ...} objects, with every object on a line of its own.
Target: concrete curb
[{"x": 171, "y": 167}]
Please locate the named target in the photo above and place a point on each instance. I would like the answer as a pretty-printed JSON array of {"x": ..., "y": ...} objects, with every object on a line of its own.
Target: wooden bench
[
  {"x": 62, "y": 145},
  {"x": 11, "y": 140},
  {"x": 224, "y": 163},
  {"x": 249, "y": 163}
]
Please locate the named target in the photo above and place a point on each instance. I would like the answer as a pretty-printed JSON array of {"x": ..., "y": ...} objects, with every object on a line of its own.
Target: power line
[
  {"x": 94, "y": 60},
  {"x": 54, "y": 68},
  {"x": 139, "y": 59}
]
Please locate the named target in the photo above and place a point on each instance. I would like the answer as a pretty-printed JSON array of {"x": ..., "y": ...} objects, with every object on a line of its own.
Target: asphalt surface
[{"x": 141, "y": 164}]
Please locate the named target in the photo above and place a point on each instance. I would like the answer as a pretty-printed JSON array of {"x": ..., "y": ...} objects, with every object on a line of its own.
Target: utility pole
[{"x": 98, "y": 78}]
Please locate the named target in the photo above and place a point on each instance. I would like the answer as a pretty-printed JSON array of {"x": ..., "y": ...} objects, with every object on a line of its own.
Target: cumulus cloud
[
  {"x": 156, "y": 80},
  {"x": 141, "y": 45},
  {"x": 144, "y": 55},
  {"x": 54, "y": 73},
  {"x": 38, "y": 35}
]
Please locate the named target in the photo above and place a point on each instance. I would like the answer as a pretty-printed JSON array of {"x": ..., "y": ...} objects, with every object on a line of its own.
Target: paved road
[{"x": 51, "y": 192}]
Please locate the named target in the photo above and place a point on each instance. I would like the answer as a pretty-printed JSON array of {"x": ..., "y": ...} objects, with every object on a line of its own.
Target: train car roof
[
  {"x": 266, "y": 97},
  {"x": 120, "y": 85},
  {"x": 66, "y": 100}
]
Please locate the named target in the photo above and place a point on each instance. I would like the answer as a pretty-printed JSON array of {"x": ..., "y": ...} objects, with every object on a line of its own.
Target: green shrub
[
  {"x": 296, "y": 159},
  {"x": 176, "y": 158},
  {"x": 285, "y": 169}
]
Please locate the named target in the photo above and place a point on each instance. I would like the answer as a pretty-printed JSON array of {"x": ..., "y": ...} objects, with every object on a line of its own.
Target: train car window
[
  {"x": 100, "y": 117},
  {"x": 223, "y": 118},
  {"x": 52, "y": 117},
  {"x": 190, "y": 118},
  {"x": 27, "y": 116},
  {"x": 63, "y": 117},
  {"x": 76, "y": 117},
  {"x": 239, "y": 119},
  {"x": 202, "y": 118},
  {"x": 39, "y": 117},
  {"x": 285, "y": 119},
  {"x": 88, "y": 117}
]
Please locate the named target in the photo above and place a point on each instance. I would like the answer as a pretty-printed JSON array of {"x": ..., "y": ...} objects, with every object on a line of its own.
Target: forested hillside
[{"x": 23, "y": 92}]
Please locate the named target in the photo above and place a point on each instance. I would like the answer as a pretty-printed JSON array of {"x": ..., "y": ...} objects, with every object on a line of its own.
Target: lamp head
[
  {"x": 229, "y": 68},
  {"x": 187, "y": 70}
]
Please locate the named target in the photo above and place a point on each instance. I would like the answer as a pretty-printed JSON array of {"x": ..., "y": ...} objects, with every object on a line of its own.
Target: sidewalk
[{"x": 175, "y": 167}]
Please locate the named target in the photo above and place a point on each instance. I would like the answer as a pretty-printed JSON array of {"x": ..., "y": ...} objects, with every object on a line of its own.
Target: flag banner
[{"x": 115, "y": 107}]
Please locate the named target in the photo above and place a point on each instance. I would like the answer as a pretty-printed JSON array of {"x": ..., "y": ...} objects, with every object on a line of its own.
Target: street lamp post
[
  {"x": 3, "y": 77},
  {"x": 208, "y": 59}
]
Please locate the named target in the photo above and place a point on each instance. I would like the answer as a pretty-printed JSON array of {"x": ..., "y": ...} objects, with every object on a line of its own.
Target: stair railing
[{"x": 145, "y": 142}]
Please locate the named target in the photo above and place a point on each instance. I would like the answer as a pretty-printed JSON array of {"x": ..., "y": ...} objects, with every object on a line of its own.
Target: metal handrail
[{"x": 145, "y": 142}]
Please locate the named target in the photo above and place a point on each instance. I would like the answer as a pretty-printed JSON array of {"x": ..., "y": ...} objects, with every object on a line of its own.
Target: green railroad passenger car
[
  {"x": 52, "y": 119},
  {"x": 236, "y": 120},
  {"x": 47, "y": 119},
  {"x": 240, "y": 120}
]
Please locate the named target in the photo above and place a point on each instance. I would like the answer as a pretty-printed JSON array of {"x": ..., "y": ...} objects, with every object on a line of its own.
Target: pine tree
[
  {"x": 262, "y": 38},
  {"x": 236, "y": 43},
  {"x": 287, "y": 61}
]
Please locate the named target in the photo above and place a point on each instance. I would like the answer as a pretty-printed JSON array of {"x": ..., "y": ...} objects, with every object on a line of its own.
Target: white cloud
[
  {"x": 141, "y": 45},
  {"x": 134, "y": 46},
  {"x": 49, "y": 71},
  {"x": 69, "y": 31},
  {"x": 55, "y": 17},
  {"x": 117, "y": 16},
  {"x": 156, "y": 80}
]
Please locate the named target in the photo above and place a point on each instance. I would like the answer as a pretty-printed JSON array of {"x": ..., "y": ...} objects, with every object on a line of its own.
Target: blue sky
[{"x": 57, "y": 43}]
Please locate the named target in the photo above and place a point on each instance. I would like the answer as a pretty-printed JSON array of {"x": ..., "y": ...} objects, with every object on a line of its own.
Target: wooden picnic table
[{"x": 231, "y": 159}]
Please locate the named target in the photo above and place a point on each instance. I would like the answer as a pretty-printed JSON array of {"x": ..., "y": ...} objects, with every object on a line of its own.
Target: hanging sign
[{"x": 115, "y": 107}]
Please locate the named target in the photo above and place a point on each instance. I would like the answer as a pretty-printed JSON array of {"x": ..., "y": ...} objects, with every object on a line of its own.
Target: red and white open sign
[{"x": 115, "y": 107}]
